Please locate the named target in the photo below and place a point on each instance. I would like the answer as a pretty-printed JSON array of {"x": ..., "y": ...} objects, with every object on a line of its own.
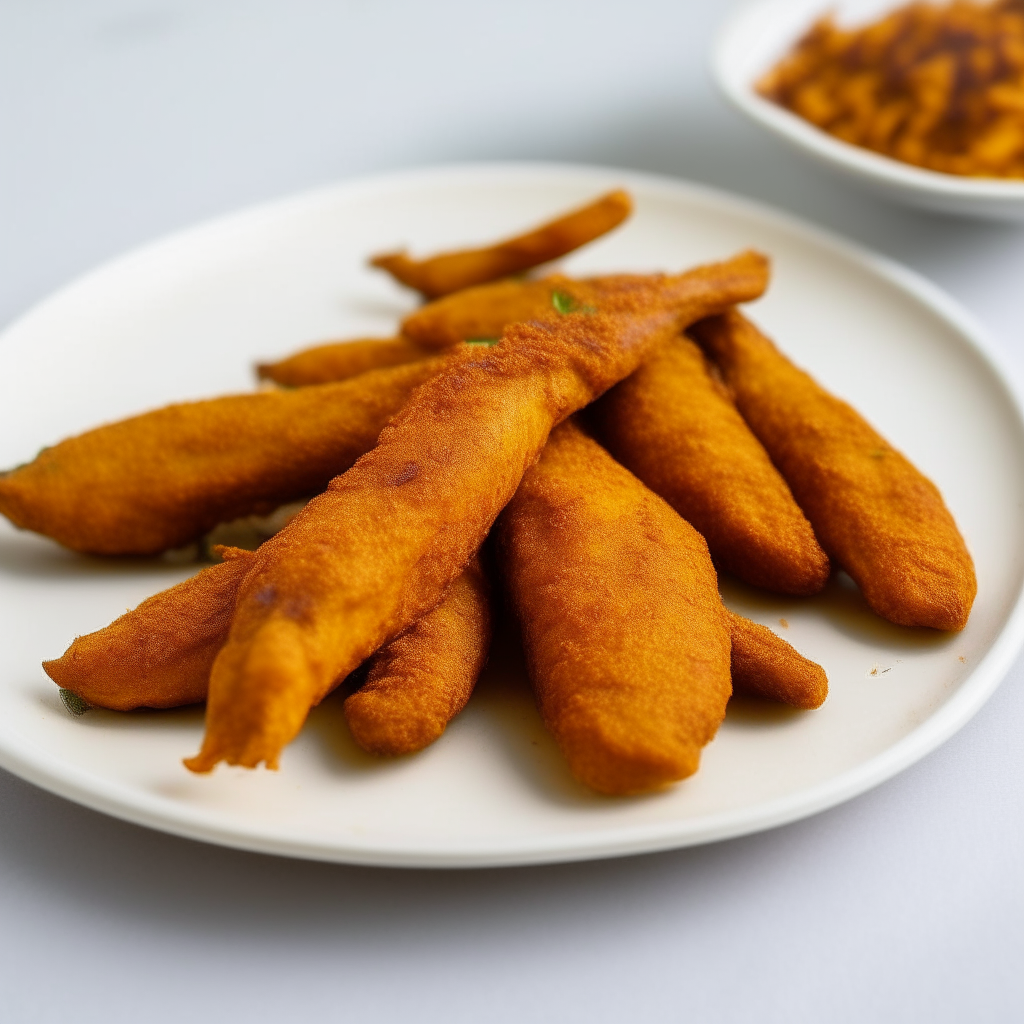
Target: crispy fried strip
[
  {"x": 476, "y": 314},
  {"x": 421, "y": 680},
  {"x": 764, "y": 665},
  {"x": 160, "y": 480},
  {"x": 874, "y": 513},
  {"x": 626, "y": 639},
  {"x": 673, "y": 426},
  {"x": 340, "y": 360},
  {"x": 453, "y": 271},
  {"x": 159, "y": 654},
  {"x": 367, "y": 558},
  {"x": 484, "y": 312}
]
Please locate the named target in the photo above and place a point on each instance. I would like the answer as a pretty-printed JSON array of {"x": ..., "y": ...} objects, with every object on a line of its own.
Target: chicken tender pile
[
  {"x": 936, "y": 85},
  {"x": 583, "y": 454}
]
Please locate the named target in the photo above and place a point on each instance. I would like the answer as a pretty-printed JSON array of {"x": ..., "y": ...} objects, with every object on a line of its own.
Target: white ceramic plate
[
  {"x": 187, "y": 316},
  {"x": 762, "y": 32}
]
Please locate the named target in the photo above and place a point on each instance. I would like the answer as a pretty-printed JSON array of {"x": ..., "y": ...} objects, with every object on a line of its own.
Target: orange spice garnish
[{"x": 939, "y": 86}]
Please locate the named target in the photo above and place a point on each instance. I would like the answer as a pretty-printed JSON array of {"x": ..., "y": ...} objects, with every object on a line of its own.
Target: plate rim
[{"x": 125, "y": 803}]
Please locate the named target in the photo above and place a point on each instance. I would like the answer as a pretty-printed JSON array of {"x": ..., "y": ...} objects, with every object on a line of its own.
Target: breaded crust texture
[
  {"x": 453, "y": 271},
  {"x": 159, "y": 654},
  {"x": 162, "y": 479},
  {"x": 485, "y": 311},
  {"x": 626, "y": 639},
  {"x": 421, "y": 680},
  {"x": 764, "y": 665},
  {"x": 340, "y": 360},
  {"x": 363, "y": 561},
  {"x": 875, "y": 514},
  {"x": 674, "y": 426}
]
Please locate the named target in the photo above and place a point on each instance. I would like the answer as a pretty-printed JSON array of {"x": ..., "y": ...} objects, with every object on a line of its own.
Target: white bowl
[{"x": 762, "y": 32}]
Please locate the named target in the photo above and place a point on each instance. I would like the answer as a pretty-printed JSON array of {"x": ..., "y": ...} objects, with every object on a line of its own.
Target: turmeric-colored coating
[
  {"x": 876, "y": 515},
  {"x": 764, "y": 665},
  {"x": 940, "y": 85},
  {"x": 160, "y": 480},
  {"x": 482, "y": 313},
  {"x": 674, "y": 426},
  {"x": 421, "y": 680},
  {"x": 340, "y": 360},
  {"x": 477, "y": 314},
  {"x": 453, "y": 271},
  {"x": 376, "y": 551},
  {"x": 626, "y": 638},
  {"x": 159, "y": 654}
]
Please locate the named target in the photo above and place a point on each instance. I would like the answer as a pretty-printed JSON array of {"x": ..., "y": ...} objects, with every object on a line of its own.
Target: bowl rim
[{"x": 735, "y": 77}]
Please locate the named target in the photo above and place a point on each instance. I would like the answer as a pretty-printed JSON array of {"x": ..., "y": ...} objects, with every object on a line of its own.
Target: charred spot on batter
[
  {"x": 266, "y": 595},
  {"x": 296, "y": 608},
  {"x": 409, "y": 471}
]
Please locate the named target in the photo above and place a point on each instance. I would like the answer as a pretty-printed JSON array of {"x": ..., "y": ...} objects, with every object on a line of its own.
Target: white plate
[
  {"x": 185, "y": 317},
  {"x": 762, "y": 32}
]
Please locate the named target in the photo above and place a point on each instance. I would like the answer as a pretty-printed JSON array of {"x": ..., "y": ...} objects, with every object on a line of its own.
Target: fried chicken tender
[
  {"x": 421, "y": 680},
  {"x": 674, "y": 426},
  {"x": 626, "y": 639},
  {"x": 371, "y": 555},
  {"x": 876, "y": 515},
  {"x": 164, "y": 478},
  {"x": 479, "y": 314},
  {"x": 764, "y": 665},
  {"x": 340, "y": 360},
  {"x": 454, "y": 271},
  {"x": 483, "y": 312},
  {"x": 158, "y": 655}
]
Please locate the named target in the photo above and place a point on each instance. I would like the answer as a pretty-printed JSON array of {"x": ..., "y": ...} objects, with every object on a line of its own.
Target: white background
[{"x": 123, "y": 120}]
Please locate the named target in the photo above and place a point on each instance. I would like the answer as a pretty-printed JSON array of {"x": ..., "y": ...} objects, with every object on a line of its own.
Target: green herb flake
[
  {"x": 74, "y": 704},
  {"x": 482, "y": 341},
  {"x": 565, "y": 303}
]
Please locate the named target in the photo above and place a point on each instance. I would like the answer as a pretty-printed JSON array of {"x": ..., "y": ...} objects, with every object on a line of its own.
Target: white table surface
[{"x": 124, "y": 119}]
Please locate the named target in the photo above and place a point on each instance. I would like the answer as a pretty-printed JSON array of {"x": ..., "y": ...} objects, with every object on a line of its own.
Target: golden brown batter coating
[
  {"x": 376, "y": 551},
  {"x": 874, "y": 513},
  {"x": 764, "y": 665},
  {"x": 453, "y": 271},
  {"x": 674, "y": 426},
  {"x": 159, "y": 654},
  {"x": 626, "y": 639},
  {"x": 421, "y": 680},
  {"x": 340, "y": 360},
  {"x": 484, "y": 312},
  {"x": 934, "y": 84},
  {"x": 164, "y": 478}
]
